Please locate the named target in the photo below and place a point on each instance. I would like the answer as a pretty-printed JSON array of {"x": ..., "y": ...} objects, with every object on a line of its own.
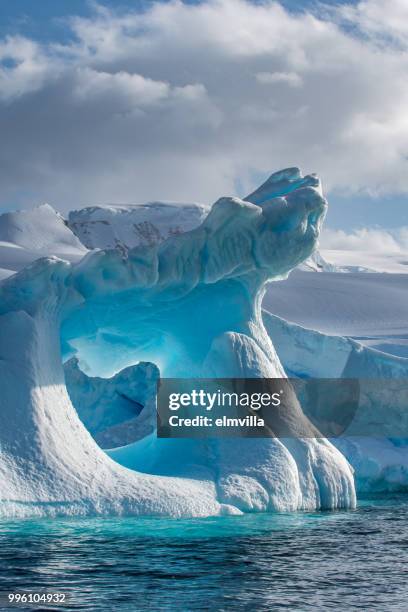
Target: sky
[{"x": 125, "y": 102}]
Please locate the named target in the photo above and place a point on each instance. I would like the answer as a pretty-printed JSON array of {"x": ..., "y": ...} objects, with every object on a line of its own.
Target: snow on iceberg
[{"x": 192, "y": 306}]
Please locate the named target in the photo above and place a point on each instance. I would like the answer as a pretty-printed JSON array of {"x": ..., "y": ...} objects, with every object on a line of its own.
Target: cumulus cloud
[
  {"x": 130, "y": 89},
  {"x": 381, "y": 19},
  {"x": 183, "y": 101},
  {"x": 23, "y": 67}
]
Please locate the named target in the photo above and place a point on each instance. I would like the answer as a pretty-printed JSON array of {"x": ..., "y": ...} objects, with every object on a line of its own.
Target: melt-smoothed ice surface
[
  {"x": 191, "y": 305},
  {"x": 117, "y": 410}
]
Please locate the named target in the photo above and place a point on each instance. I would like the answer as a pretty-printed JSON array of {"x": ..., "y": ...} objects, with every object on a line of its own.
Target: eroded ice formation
[
  {"x": 192, "y": 306},
  {"x": 379, "y": 456},
  {"x": 118, "y": 410}
]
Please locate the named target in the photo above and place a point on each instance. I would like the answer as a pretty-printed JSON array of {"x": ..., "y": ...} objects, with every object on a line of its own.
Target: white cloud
[
  {"x": 384, "y": 20},
  {"x": 182, "y": 100},
  {"x": 291, "y": 78},
  {"x": 130, "y": 89},
  {"x": 23, "y": 67},
  {"x": 369, "y": 240}
]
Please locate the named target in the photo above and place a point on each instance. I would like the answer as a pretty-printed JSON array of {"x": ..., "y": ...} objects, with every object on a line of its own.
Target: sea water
[{"x": 343, "y": 560}]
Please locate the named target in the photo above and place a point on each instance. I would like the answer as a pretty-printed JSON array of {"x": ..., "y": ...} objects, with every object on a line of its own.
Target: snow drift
[{"x": 191, "y": 305}]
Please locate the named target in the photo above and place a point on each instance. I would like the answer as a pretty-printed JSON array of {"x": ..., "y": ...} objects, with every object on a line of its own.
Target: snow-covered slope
[
  {"x": 126, "y": 227},
  {"x": 30, "y": 234},
  {"x": 371, "y": 308},
  {"x": 317, "y": 263}
]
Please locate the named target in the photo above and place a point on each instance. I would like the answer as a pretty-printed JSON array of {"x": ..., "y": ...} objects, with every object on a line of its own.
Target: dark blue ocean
[{"x": 346, "y": 560}]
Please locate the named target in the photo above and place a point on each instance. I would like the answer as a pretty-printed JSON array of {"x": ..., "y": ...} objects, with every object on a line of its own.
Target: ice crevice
[{"x": 192, "y": 306}]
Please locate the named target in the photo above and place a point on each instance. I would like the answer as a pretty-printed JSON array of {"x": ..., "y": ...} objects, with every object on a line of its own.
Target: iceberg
[
  {"x": 191, "y": 305},
  {"x": 307, "y": 353},
  {"x": 380, "y": 457},
  {"x": 116, "y": 410}
]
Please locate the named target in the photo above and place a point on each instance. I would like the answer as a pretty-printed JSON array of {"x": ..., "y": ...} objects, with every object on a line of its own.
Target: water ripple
[{"x": 303, "y": 561}]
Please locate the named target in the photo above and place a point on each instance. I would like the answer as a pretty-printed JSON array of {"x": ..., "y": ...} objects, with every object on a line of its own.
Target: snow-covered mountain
[
  {"x": 125, "y": 227},
  {"x": 27, "y": 235},
  {"x": 317, "y": 263}
]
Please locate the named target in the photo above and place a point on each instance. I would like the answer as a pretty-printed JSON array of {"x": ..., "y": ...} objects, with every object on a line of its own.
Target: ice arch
[{"x": 192, "y": 305}]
